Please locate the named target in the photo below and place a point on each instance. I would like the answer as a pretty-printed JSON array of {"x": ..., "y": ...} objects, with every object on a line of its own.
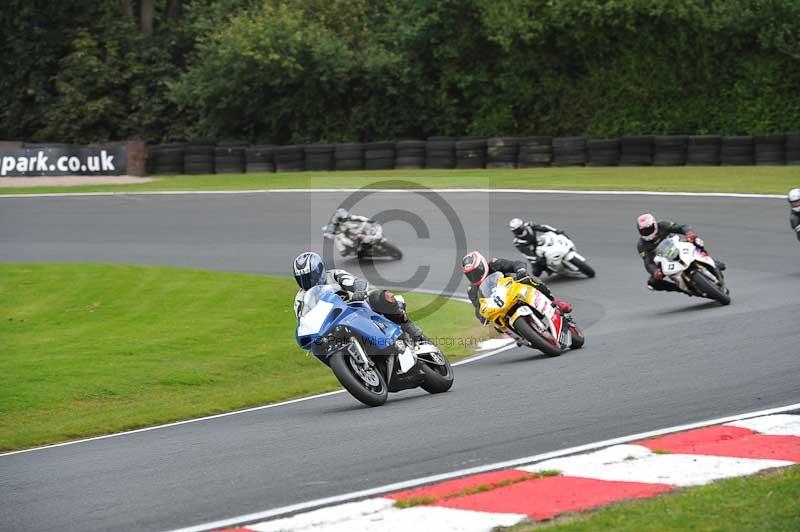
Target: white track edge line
[
  {"x": 246, "y": 410},
  {"x": 294, "y": 508},
  {"x": 396, "y": 191}
]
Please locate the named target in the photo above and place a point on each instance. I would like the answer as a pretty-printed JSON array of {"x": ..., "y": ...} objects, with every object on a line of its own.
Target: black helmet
[{"x": 309, "y": 270}]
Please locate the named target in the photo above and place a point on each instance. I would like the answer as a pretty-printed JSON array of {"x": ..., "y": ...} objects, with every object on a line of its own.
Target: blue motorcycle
[{"x": 368, "y": 353}]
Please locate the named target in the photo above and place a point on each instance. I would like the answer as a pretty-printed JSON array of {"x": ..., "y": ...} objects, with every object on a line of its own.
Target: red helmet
[
  {"x": 475, "y": 267},
  {"x": 648, "y": 227}
]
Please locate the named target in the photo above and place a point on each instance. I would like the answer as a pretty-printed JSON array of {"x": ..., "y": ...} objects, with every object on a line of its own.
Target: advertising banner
[{"x": 62, "y": 159}]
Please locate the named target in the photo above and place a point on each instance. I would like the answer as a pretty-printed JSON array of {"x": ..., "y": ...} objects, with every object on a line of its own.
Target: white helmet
[
  {"x": 516, "y": 226},
  {"x": 794, "y": 199}
]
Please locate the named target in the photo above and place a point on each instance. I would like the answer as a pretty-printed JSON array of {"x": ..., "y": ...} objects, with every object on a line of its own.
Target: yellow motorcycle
[{"x": 527, "y": 315}]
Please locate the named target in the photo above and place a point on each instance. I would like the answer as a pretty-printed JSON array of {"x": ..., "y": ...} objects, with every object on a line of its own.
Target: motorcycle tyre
[
  {"x": 435, "y": 381},
  {"x": 583, "y": 267},
  {"x": 353, "y": 384},
  {"x": 527, "y": 331},
  {"x": 711, "y": 290}
]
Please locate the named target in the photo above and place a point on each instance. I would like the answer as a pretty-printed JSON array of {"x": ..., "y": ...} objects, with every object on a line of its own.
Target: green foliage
[{"x": 336, "y": 70}]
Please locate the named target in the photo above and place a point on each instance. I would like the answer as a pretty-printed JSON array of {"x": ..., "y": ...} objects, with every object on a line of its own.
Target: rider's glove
[
  {"x": 541, "y": 262},
  {"x": 521, "y": 274},
  {"x": 658, "y": 275},
  {"x": 691, "y": 236},
  {"x": 358, "y": 295}
]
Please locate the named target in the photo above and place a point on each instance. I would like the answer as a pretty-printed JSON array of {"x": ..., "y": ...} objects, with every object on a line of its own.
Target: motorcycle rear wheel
[
  {"x": 438, "y": 377},
  {"x": 578, "y": 339},
  {"x": 343, "y": 365},
  {"x": 527, "y": 331},
  {"x": 710, "y": 290}
]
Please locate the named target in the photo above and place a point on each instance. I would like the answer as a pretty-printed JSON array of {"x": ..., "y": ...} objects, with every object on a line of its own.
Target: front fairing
[
  {"x": 325, "y": 328},
  {"x": 499, "y": 294}
]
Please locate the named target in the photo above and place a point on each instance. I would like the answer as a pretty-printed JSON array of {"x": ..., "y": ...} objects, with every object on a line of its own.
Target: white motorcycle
[
  {"x": 691, "y": 268},
  {"x": 361, "y": 239},
  {"x": 560, "y": 255}
]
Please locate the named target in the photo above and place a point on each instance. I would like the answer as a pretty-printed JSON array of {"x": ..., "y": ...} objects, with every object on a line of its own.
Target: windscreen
[
  {"x": 668, "y": 249},
  {"x": 490, "y": 284},
  {"x": 313, "y": 296}
]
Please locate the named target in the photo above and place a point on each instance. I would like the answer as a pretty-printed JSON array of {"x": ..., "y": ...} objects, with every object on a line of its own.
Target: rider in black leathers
[
  {"x": 476, "y": 268},
  {"x": 651, "y": 233},
  {"x": 525, "y": 241}
]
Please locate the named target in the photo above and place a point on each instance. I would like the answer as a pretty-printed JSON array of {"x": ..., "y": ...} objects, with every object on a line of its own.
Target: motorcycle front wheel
[
  {"x": 365, "y": 384},
  {"x": 386, "y": 249},
  {"x": 583, "y": 267},
  {"x": 709, "y": 289},
  {"x": 537, "y": 341}
]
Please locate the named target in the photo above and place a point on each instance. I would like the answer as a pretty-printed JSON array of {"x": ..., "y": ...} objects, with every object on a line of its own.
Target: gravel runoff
[{"x": 71, "y": 181}]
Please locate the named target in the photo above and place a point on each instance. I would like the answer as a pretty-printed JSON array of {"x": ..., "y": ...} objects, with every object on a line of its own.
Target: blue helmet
[{"x": 309, "y": 270}]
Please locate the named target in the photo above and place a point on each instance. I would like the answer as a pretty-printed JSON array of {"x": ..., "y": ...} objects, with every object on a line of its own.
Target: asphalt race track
[{"x": 650, "y": 360}]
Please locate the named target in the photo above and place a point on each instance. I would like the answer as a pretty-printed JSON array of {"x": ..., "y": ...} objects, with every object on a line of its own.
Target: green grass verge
[
  {"x": 744, "y": 179},
  {"x": 89, "y": 349},
  {"x": 770, "y": 501}
]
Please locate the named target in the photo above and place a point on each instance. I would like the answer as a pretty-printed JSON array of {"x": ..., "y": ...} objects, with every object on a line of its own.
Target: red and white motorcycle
[{"x": 691, "y": 268}]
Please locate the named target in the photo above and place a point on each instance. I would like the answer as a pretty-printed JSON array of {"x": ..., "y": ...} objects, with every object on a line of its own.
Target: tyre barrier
[
  {"x": 770, "y": 149},
  {"x": 229, "y": 159},
  {"x": 535, "y": 152},
  {"x": 471, "y": 153},
  {"x": 569, "y": 151},
  {"x": 501, "y": 152},
  {"x": 167, "y": 159},
  {"x": 198, "y": 158},
  {"x": 290, "y": 158},
  {"x": 349, "y": 156},
  {"x": 259, "y": 158},
  {"x": 636, "y": 151},
  {"x": 410, "y": 154},
  {"x": 204, "y": 157},
  {"x": 670, "y": 150},
  {"x": 703, "y": 150},
  {"x": 440, "y": 152},
  {"x": 319, "y": 157},
  {"x": 602, "y": 152},
  {"x": 737, "y": 151},
  {"x": 379, "y": 155},
  {"x": 793, "y": 148}
]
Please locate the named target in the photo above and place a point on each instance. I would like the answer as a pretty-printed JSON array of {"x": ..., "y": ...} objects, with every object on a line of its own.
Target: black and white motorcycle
[
  {"x": 560, "y": 255},
  {"x": 691, "y": 268},
  {"x": 362, "y": 239}
]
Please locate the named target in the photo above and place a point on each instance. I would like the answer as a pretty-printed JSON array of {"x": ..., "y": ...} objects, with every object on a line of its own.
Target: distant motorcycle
[
  {"x": 527, "y": 315},
  {"x": 691, "y": 268},
  {"x": 368, "y": 353},
  {"x": 362, "y": 240},
  {"x": 560, "y": 255}
]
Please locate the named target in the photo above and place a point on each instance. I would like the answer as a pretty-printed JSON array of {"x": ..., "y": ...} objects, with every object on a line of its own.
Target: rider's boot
[
  {"x": 562, "y": 305},
  {"x": 664, "y": 286}
]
